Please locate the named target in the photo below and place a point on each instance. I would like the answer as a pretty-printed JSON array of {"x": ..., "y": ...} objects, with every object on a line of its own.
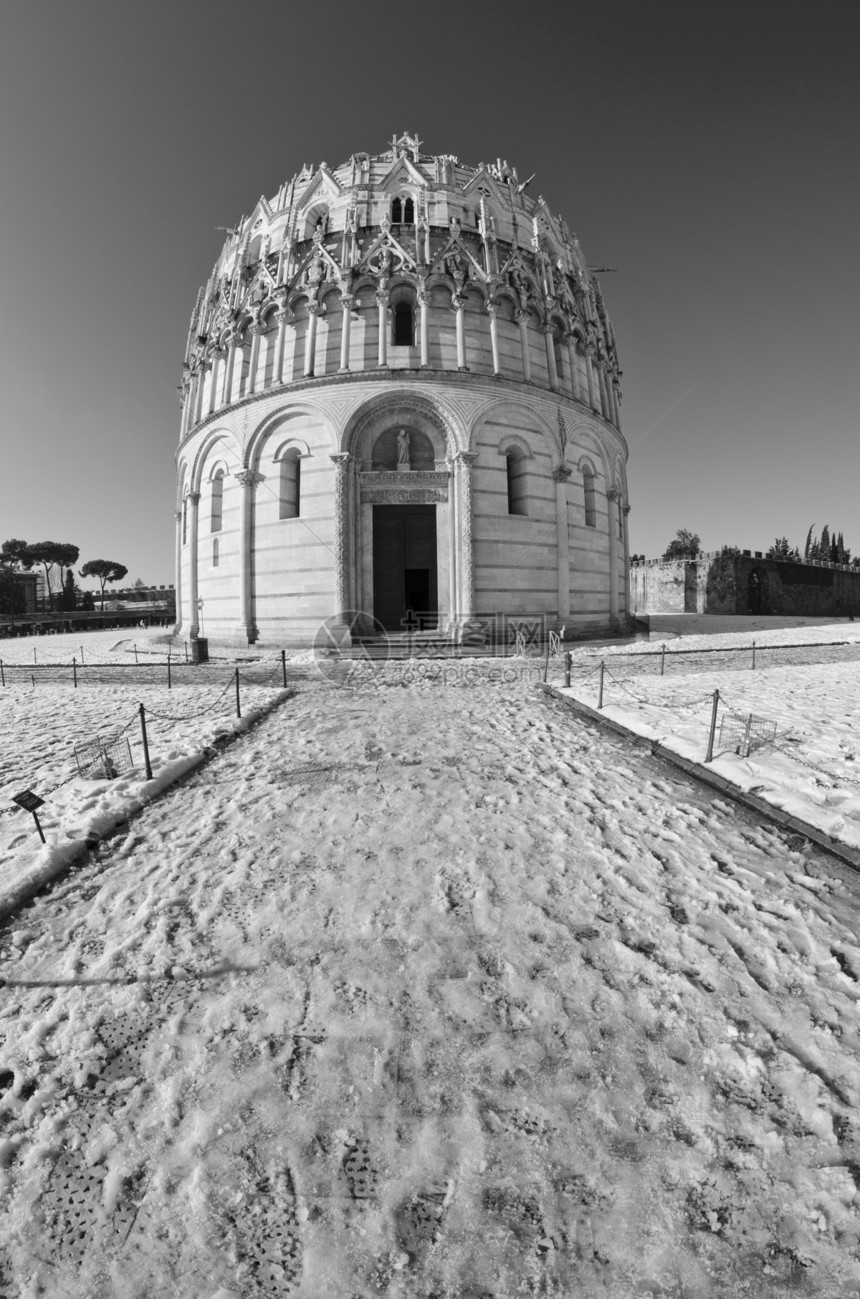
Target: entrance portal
[{"x": 404, "y": 567}]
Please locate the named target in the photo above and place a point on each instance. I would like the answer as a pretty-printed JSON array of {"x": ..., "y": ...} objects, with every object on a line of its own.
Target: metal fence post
[
  {"x": 284, "y": 666},
  {"x": 546, "y": 662},
  {"x": 600, "y": 695},
  {"x": 2, "y": 673},
  {"x": 168, "y": 670},
  {"x": 147, "y": 763},
  {"x": 567, "y": 658},
  {"x": 82, "y": 653},
  {"x": 238, "y": 705},
  {"x": 753, "y": 662},
  {"x": 663, "y": 660},
  {"x": 710, "y": 752},
  {"x": 136, "y": 659},
  {"x": 74, "y": 672}
]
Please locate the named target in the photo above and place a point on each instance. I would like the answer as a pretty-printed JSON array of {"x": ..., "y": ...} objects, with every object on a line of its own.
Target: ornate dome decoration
[{"x": 403, "y": 362}]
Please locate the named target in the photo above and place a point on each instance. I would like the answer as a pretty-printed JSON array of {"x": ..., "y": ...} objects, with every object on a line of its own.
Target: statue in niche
[{"x": 403, "y": 450}]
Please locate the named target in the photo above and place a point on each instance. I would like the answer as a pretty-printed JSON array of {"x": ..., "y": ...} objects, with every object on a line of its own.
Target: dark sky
[{"x": 709, "y": 152}]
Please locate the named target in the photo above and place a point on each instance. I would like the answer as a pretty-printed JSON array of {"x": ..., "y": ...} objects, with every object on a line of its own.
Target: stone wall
[{"x": 744, "y": 584}]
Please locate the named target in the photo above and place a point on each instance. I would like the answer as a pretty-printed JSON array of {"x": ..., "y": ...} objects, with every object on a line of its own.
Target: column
[
  {"x": 186, "y": 398},
  {"x": 281, "y": 317},
  {"x": 552, "y": 369},
  {"x": 424, "y": 304},
  {"x": 612, "y": 495},
  {"x": 199, "y": 383},
  {"x": 459, "y": 303},
  {"x": 494, "y": 335},
  {"x": 626, "y": 511},
  {"x": 246, "y": 479},
  {"x": 177, "y": 624},
  {"x": 382, "y": 304},
  {"x": 522, "y": 318},
  {"x": 193, "y": 502},
  {"x": 465, "y": 613},
  {"x": 339, "y": 626},
  {"x": 604, "y": 398},
  {"x": 234, "y": 347},
  {"x": 589, "y": 371},
  {"x": 217, "y": 358},
  {"x": 562, "y": 535},
  {"x": 311, "y": 339},
  {"x": 574, "y": 374},
  {"x": 256, "y": 331},
  {"x": 347, "y": 302}
]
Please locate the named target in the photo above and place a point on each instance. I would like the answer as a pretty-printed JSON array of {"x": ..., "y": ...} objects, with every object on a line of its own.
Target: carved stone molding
[
  {"x": 248, "y": 477},
  {"x": 561, "y": 474}
]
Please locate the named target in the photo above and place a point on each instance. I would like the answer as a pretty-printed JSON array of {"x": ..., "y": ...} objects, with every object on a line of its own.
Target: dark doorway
[
  {"x": 404, "y": 567},
  {"x": 757, "y": 592}
]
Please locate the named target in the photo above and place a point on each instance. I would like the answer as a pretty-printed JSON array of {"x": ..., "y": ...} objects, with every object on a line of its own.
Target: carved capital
[
  {"x": 341, "y": 461},
  {"x": 465, "y": 459},
  {"x": 247, "y": 477},
  {"x": 626, "y": 509},
  {"x": 612, "y": 494},
  {"x": 561, "y": 474},
  {"x": 193, "y": 497}
]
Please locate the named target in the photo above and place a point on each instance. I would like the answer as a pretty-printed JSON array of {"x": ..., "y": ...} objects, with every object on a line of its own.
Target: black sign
[{"x": 28, "y": 800}]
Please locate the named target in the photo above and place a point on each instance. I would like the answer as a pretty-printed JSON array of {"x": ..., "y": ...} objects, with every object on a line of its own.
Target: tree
[
  {"x": 68, "y": 600},
  {"x": 781, "y": 549},
  {"x": 53, "y": 554},
  {"x": 106, "y": 570},
  {"x": 810, "y": 542},
  {"x": 11, "y": 590},
  {"x": 685, "y": 545},
  {"x": 17, "y": 553},
  {"x": 824, "y": 544}
]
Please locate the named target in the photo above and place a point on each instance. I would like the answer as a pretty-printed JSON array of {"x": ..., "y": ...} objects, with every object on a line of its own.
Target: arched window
[
  {"x": 408, "y": 211},
  {"x": 217, "y": 501},
  {"x": 291, "y": 476},
  {"x": 516, "y": 469},
  {"x": 215, "y": 553},
  {"x": 588, "y": 496},
  {"x": 404, "y": 324},
  {"x": 396, "y": 211}
]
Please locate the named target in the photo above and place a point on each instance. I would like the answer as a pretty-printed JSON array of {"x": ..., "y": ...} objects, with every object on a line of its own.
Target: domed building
[{"x": 400, "y": 410}]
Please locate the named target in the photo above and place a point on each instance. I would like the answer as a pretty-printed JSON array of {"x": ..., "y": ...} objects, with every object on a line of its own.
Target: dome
[{"x": 400, "y": 409}]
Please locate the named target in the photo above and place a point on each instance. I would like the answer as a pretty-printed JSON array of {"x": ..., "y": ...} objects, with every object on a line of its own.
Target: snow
[
  {"x": 425, "y": 990},
  {"x": 811, "y": 768}
]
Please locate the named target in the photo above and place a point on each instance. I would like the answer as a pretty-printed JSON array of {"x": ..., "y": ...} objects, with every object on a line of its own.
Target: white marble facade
[{"x": 400, "y": 294}]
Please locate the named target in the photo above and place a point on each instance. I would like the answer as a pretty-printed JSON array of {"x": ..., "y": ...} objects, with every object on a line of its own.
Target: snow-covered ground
[
  {"x": 811, "y": 766},
  {"x": 41, "y": 725},
  {"x": 433, "y": 990}
]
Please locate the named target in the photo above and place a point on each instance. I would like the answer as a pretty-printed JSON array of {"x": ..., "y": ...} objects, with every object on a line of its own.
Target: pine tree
[
  {"x": 824, "y": 544},
  {"x": 807, "y": 549}
]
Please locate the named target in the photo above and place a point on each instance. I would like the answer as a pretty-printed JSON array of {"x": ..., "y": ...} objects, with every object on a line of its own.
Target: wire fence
[
  {"x": 755, "y": 656},
  {"x": 741, "y": 731},
  {"x": 227, "y": 700}
]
